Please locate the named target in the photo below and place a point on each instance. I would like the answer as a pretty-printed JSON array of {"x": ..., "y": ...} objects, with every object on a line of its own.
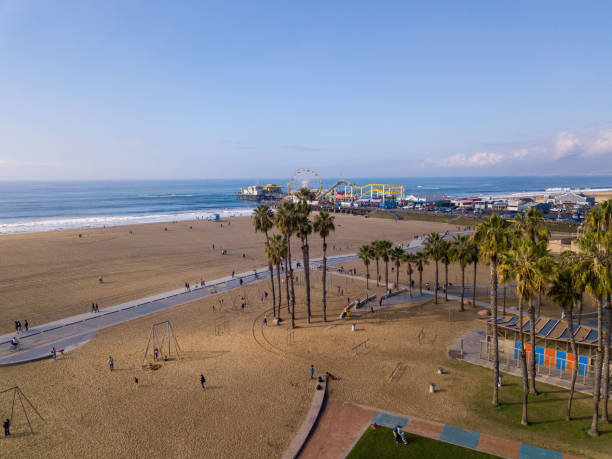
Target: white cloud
[
  {"x": 599, "y": 144},
  {"x": 566, "y": 143},
  {"x": 477, "y": 159}
]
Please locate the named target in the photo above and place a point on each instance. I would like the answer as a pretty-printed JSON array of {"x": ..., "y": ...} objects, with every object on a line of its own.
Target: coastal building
[
  {"x": 261, "y": 192},
  {"x": 572, "y": 199},
  {"x": 519, "y": 205},
  {"x": 553, "y": 353},
  {"x": 499, "y": 206}
]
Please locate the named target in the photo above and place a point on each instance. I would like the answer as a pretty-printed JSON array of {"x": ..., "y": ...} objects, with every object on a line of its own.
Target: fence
[{"x": 556, "y": 366}]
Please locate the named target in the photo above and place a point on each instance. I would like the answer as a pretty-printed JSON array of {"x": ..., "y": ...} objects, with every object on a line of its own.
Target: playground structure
[
  {"x": 17, "y": 394},
  {"x": 162, "y": 338}
]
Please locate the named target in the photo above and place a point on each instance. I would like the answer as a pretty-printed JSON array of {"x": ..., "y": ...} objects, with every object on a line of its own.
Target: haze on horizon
[{"x": 158, "y": 90}]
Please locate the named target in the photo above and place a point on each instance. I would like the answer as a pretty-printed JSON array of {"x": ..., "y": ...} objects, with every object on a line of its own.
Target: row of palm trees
[
  {"x": 517, "y": 251},
  {"x": 292, "y": 220},
  {"x": 460, "y": 250}
]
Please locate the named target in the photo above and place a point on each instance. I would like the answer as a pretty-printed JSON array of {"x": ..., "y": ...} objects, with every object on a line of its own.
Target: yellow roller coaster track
[{"x": 382, "y": 189}]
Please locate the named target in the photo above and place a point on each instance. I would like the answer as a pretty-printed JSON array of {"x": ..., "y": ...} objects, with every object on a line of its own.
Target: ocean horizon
[{"x": 34, "y": 206}]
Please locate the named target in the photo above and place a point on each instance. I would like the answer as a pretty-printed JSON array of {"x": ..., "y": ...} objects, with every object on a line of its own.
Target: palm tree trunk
[
  {"x": 280, "y": 292},
  {"x": 532, "y": 341},
  {"x": 367, "y": 276},
  {"x": 606, "y": 364},
  {"x": 421, "y": 281},
  {"x": 524, "y": 420},
  {"x": 271, "y": 269},
  {"x": 291, "y": 280},
  {"x": 397, "y": 267},
  {"x": 386, "y": 274},
  {"x": 445, "y": 281},
  {"x": 409, "y": 272},
  {"x": 436, "y": 285},
  {"x": 539, "y": 301},
  {"x": 324, "y": 283},
  {"x": 570, "y": 321},
  {"x": 462, "y": 286},
  {"x": 594, "y": 430},
  {"x": 305, "y": 254},
  {"x": 474, "y": 291},
  {"x": 495, "y": 337},
  {"x": 377, "y": 275},
  {"x": 287, "y": 288}
]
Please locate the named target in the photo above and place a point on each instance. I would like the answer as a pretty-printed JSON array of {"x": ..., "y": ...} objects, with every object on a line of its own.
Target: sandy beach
[{"x": 52, "y": 275}]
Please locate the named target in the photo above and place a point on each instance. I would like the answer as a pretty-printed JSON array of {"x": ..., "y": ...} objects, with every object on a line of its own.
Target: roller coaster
[
  {"x": 343, "y": 191},
  {"x": 350, "y": 192}
]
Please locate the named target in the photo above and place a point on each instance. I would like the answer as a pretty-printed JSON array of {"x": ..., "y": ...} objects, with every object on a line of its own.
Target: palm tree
[
  {"x": 475, "y": 254},
  {"x": 263, "y": 220},
  {"x": 365, "y": 255},
  {"x": 461, "y": 252},
  {"x": 304, "y": 228},
  {"x": 275, "y": 251},
  {"x": 520, "y": 264},
  {"x": 491, "y": 235},
  {"x": 434, "y": 250},
  {"x": 606, "y": 210},
  {"x": 397, "y": 255},
  {"x": 286, "y": 219},
  {"x": 544, "y": 268},
  {"x": 446, "y": 260},
  {"x": 324, "y": 225},
  {"x": 564, "y": 292},
  {"x": 375, "y": 248},
  {"x": 305, "y": 197},
  {"x": 385, "y": 253},
  {"x": 597, "y": 285},
  {"x": 420, "y": 259},
  {"x": 409, "y": 258}
]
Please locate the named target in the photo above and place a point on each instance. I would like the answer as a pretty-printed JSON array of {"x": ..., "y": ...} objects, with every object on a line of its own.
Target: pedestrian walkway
[
  {"x": 77, "y": 330},
  {"x": 343, "y": 423}
]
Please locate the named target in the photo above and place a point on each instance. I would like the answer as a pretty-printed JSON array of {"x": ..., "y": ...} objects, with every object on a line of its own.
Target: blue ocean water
[{"x": 42, "y": 206}]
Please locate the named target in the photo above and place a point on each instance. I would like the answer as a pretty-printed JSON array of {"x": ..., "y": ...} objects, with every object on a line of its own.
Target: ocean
[{"x": 44, "y": 206}]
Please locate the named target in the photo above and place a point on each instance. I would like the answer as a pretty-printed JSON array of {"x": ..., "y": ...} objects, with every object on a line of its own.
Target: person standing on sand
[
  {"x": 202, "y": 381},
  {"x": 54, "y": 353},
  {"x": 7, "y": 427},
  {"x": 111, "y": 363},
  {"x": 311, "y": 371},
  {"x": 265, "y": 321},
  {"x": 93, "y": 307},
  {"x": 26, "y": 325}
]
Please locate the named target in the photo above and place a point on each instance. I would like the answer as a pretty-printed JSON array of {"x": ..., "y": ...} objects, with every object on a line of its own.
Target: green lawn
[
  {"x": 380, "y": 443},
  {"x": 429, "y": 217}
]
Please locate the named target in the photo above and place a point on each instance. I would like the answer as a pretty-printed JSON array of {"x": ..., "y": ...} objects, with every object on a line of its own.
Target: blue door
[
  {"x": 517, "y": 350},
  {"x": 583, "y": 365},
  {"x": 560, "y": 364},
  {"x": 539, "y": 355}
]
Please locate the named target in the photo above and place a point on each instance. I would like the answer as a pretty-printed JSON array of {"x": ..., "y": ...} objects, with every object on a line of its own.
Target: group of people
[
  {"x": 95, "y": 307},
  {"x": 19, "y": 328}
]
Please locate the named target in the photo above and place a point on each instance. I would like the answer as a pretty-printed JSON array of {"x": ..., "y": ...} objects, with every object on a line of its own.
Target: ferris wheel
[{"x": 305, "y": 178}]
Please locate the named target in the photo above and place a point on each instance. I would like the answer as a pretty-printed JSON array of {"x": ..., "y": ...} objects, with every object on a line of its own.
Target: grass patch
[
  {"x": 546, "y": 413},
  {"x": 380, "y": 443},
  {"x": 459, "y": 220},
  {"x": 561, "y": 227}
]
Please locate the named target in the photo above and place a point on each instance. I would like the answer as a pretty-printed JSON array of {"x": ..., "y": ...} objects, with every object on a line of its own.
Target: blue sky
[{"x": 157, "y": 89}]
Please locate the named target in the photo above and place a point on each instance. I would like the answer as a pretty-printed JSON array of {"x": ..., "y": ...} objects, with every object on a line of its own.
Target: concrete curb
[{"x": 309, "y": 423}]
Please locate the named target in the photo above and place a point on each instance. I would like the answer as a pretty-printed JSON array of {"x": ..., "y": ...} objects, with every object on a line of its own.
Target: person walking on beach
[
  {"x": 16, "y": 327},
  {"x": 93, "y": 307},
  {"x": 97, "y": 307},
  {"x": 26, "y": 325},
  {"x": 233, "y": 273},
  {"x": 54, "y": 353},
  {"x": 265, "y": 321},
  {"x": 311, "y": 371},
  {"x": 111, "y": 363},
  {"x": 7, "y": 427},
  {"x": 202, "y": 381},
  {"x": 155, "y": 354}
]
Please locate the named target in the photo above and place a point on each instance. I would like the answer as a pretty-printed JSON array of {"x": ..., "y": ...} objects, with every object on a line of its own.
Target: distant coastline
[{"x": 27, "y": 207}]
